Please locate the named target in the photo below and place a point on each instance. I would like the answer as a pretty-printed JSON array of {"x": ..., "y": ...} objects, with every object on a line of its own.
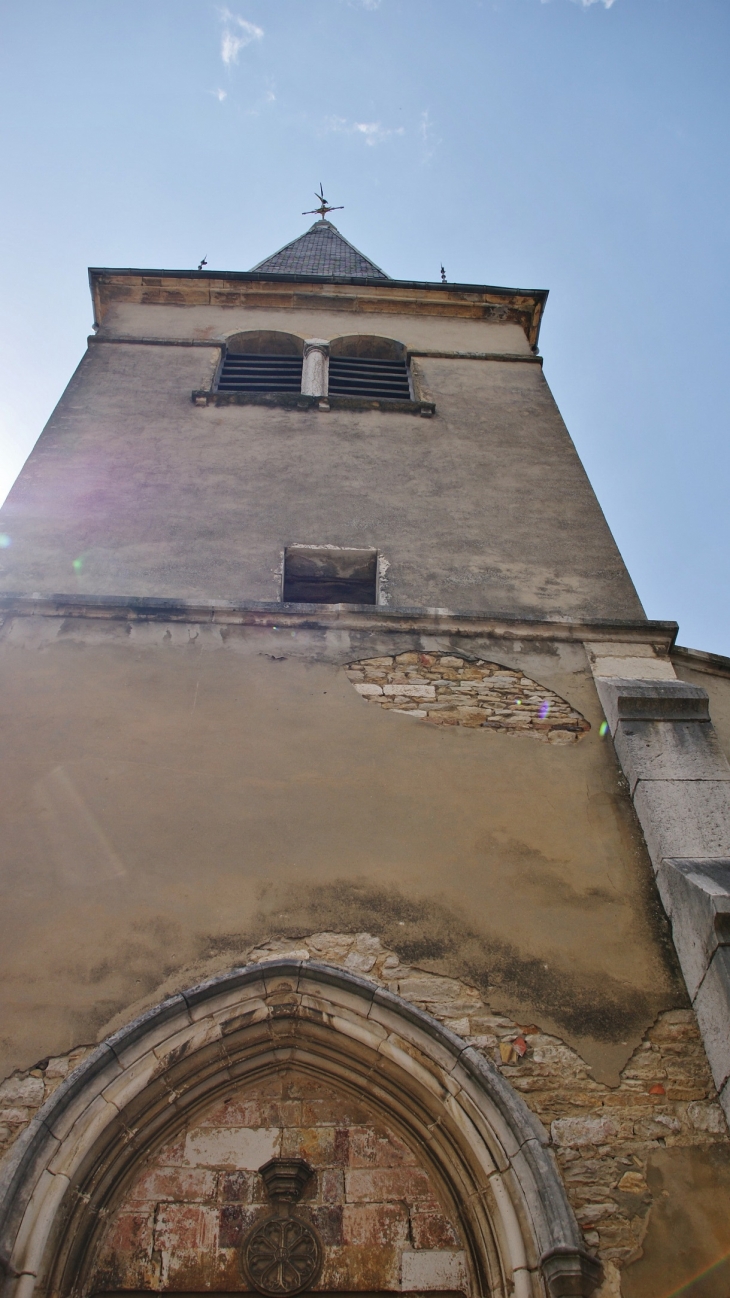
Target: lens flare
[
  {"x": 77, "y": 565},
  {"x": 4, "y": 540},
  {"x": 603, "y": 729},
  {"x": 543, "y": 709},
  {"x": 683, "y": 1291}
]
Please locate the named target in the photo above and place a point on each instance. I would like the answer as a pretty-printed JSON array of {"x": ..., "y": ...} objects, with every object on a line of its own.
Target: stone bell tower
[{"x": 365, "y": 847}]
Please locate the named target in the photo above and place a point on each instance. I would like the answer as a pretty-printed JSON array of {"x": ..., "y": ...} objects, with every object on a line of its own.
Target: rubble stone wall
[{"x": 449, "y": 690}]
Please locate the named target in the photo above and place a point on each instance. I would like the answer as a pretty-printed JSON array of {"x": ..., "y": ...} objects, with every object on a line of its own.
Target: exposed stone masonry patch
[
  {"x": 451, "y": 691},
  {"x": 22, "y": 1095},
  {"x": 602, "y": 1137}
]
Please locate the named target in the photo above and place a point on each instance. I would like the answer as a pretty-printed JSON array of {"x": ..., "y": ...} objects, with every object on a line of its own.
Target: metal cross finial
[{"x": 324, "y": 206}]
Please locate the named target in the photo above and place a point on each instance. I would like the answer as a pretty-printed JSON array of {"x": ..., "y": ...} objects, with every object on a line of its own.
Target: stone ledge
[
  {"x": 475, "y": 356},
  {"x": 214, "y": 343},
  {"x": 219, "y": 343},
  {"x": 301, "y": 401},
  {"x": 353, "y": 617},
  {"x": 699, "y": 661},
  {"x": 655, "y": 700}
]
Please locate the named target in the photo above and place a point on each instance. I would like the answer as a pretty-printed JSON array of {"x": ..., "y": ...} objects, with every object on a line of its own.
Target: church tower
[{"x": 366, "y": 849}]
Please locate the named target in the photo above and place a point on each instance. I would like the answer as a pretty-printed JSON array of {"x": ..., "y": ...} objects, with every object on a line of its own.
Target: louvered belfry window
[
  {"x": 359, "y": 376},
  {"x": 245, "y": 372}
]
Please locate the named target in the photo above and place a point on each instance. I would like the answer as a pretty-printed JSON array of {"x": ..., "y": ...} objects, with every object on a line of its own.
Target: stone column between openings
[{"x": 315, "y": 369}]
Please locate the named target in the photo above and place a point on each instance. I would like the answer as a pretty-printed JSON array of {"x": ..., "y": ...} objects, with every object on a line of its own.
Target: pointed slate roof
[{"x": 321, "y": 251}]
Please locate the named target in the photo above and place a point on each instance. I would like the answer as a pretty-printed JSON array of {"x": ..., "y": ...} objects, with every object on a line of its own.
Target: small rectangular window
[
  {"x": 357, "y": 376},
  {"x": 319, "y": 575},
  {"x": 243, "y": 372}
]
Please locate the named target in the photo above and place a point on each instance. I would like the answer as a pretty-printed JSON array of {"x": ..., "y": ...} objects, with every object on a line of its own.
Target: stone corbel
[{"x": 570, "y": 1273}]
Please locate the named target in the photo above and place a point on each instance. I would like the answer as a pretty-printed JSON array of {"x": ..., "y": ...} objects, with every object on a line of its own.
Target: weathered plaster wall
[
  {"x": 134, "y": 490},
  {"x": 171, "y": 793},
  {"x": 133, "y": 320}
]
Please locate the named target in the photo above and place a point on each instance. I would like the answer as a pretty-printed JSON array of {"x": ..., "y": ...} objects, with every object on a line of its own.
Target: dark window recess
[
  {"x": 243, "y": 372},
  {"x": 320, "y": 576},
  {"x": 354, "y": 376}
]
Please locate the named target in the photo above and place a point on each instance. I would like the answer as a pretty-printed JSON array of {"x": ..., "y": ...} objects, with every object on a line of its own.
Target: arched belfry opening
[
  {"x": 368, "y": 347},
  {"x": 299, "y": 1104},
  {"x": 264, "y": 342},
  {"x": 261, "y": 360}
]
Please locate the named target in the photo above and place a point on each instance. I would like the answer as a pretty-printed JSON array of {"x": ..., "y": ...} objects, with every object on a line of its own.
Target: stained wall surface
[
  {"x": 170, "y": 793},
  {"x": 132, "y": 489}
]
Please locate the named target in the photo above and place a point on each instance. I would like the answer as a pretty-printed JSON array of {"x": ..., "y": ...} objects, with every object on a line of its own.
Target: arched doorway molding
[{"x": 483, "y": 1143}]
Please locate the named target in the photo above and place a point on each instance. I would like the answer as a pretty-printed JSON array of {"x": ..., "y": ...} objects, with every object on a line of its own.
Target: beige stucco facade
[{"x": 197, "y": 777}]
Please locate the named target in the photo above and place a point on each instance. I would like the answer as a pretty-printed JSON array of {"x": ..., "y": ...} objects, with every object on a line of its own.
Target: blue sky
[{"x": 575, "y": 145}]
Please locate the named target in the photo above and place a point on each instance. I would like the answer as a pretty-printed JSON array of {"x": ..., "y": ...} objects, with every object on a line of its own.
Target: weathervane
[{"x": 324, "y": 206}]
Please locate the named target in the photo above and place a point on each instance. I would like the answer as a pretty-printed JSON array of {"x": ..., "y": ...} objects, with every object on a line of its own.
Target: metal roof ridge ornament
[{"x": 324, "y": 207}]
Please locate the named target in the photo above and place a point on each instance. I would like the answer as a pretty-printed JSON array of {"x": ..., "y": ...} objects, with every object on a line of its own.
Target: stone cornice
[
  {"x": 342, "y": 617},
  {"x": 699, "y": 661},
  {"x": 366, "y": 296}
]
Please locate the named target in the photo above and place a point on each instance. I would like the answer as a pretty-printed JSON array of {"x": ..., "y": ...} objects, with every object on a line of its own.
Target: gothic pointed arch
[{"x": 464, "y": 1131}]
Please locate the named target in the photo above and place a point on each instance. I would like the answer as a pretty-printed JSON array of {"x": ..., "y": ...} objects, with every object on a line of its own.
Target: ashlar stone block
[
  {"x": 428, "y": 1269},
  {"x": 684, "y": 818},
  {"x": 238, "y": 1147},
  {"x": 676, "y": 750},
  {"x": 712, "y": 1005},
  {"x": 696, "y": 896}
]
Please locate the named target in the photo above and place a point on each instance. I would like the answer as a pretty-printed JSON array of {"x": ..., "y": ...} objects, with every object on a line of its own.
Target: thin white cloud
[
  {"x": 429, "y": 141},
  {"x": 372, "y": 132},
  {"x": 219, "y": 94},
  {"x": 586, "y": 4},
  {"x": 237, "y": 34}
]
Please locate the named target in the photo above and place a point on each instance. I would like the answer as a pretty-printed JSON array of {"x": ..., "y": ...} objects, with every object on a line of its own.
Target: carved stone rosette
[{"x": 282, "y": 1255}]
